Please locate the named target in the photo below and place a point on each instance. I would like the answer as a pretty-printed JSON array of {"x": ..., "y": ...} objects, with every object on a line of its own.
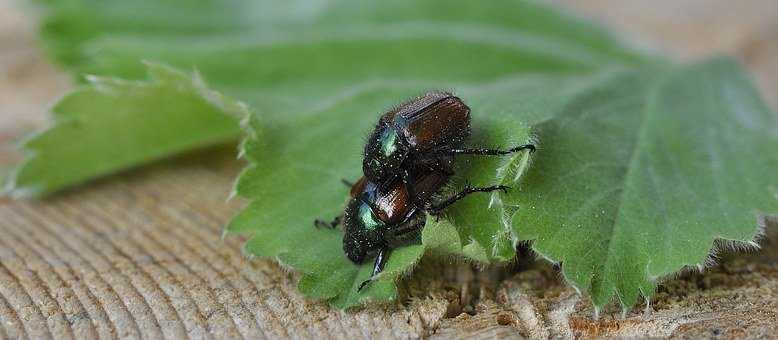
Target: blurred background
[{"x": 737, "y": 299}]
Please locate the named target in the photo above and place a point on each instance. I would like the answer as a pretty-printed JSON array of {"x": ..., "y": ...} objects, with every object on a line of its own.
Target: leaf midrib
[{"x": 651, "y": 99}]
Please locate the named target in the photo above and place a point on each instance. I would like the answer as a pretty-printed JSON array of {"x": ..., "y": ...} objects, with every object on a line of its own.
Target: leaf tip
[
  {"x": 647, "y": 311},
  {"x": 101, "y": 84},
  {"x": 701, "y": 266},
  {"x": 233, "y": 193},
  {"x": 159, "y": 71},
  {"x": 11, "y": 186},
  {"x": 15, "y": 192},
  {"x": 241, "y": 152}
]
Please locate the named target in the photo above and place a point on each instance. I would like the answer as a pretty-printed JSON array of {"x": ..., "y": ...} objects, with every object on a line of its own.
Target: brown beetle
[
  {"x": 428, "y": 129},
  {"x": 380, "y": 217},
  {"x": 407, "y": 160}
]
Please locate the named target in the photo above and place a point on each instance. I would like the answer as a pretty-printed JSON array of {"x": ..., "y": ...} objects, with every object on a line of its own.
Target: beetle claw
[
  {"x": 530, "y": 147},
  {"x": 364, "y": 283}
]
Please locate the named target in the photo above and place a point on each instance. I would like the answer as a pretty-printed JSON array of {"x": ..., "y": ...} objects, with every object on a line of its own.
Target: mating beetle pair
[{"x": 407, "y": 160}]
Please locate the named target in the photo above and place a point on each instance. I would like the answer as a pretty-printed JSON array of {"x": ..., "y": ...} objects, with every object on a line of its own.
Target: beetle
[
  {"x": 408, "y": 159},
  {"x": 382, "y": 216},
  {"x": 422, "y": 131}
]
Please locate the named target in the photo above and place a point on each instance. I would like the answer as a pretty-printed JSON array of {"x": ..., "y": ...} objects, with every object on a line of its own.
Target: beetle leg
[
  {"x": 380, "y": 261},
  {"x": 408, "y": 181},
  {"x": 346, "y": 182},
  {"x": 404, "y": 230},
  {"x": 490, "y": 152},
  {"x": 324, "y": 224},
  {"x": 436, "y": 209}
]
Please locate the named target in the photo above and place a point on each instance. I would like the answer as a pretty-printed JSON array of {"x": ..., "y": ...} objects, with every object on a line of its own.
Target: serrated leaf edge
[{"x": 107, "y": 85}]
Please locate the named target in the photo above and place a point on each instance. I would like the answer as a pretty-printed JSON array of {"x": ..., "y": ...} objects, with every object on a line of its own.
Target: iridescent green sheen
[
  {"x": 388, "y": 142},
  {"x": 369, "y": 220}
]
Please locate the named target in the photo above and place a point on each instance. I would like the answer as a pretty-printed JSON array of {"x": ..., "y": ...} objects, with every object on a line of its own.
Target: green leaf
[
  {"x": 639, "y": 174},
  {"x": 294, "y": 178},
  {"x": 111, "y": 124},
  {"x": 503, "y": 114},
  {"x": 75, "y": 31},
  {"x": 441, "y": 237},
  {"x": 318, "y": 76}
]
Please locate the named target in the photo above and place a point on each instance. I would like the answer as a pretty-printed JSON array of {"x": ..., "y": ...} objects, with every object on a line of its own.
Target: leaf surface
[
  {"x": 111, "y": 124},
  {"x": 630, "y": 182},
  {"x": 642, "y": 172},
  {"x": 318, "y": 75},
  {"x": 293, "y": 183}
]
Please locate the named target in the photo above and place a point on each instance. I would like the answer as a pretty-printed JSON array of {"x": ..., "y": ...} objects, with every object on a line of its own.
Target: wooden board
[{"x": 140, "y": 255}]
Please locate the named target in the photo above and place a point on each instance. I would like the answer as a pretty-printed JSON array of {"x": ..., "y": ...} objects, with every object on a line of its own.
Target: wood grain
[{"x": 140, "y": 255}]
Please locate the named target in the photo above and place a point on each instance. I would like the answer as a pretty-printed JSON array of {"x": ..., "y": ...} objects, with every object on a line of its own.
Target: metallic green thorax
[
  {"x": 388, "y": 142},
  {"x": 368, "y": 218}
]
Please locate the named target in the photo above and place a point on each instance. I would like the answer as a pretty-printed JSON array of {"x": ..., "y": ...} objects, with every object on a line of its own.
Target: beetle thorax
[
  {"x": 363, "y": 231},
  {"x": 385, "y": 152}
]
